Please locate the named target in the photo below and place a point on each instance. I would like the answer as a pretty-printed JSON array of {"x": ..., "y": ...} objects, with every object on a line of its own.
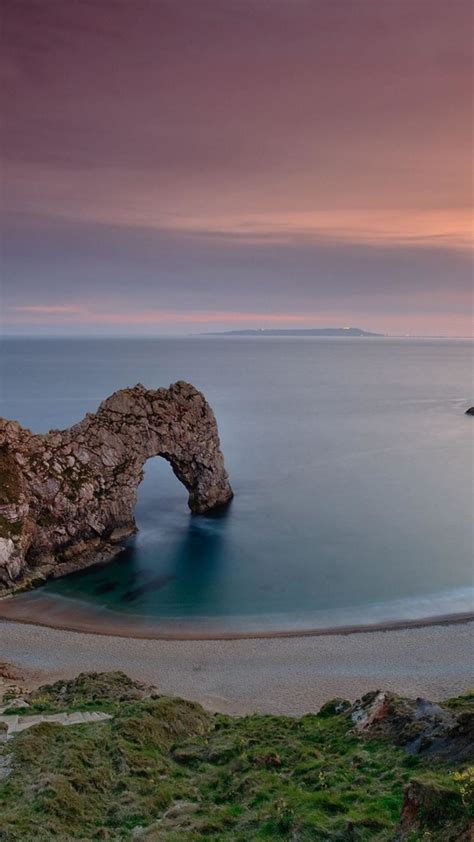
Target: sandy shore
[{"x": 275, "y": 675}]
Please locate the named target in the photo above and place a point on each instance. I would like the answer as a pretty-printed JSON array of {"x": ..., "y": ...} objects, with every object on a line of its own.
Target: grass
[{"x": 169, "y": 766}]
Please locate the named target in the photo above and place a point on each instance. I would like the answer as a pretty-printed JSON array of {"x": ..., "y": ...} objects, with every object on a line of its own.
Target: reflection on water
[
  {"x": 178, "y": 564},
  {"x": 197, "y": 561},
  {"x": 192, "y": 569}
]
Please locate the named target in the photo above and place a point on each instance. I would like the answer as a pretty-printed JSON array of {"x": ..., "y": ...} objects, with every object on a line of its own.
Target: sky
[{"x": 174, "y": 167}]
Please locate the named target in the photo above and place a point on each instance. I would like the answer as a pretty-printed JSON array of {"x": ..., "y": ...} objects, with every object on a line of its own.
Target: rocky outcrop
[
  {"x": 67, "y": 498},
  {"x": 442, "y": 737},
  {"x": 419, "y": 726},
  {"x": 431, "y": 807}
]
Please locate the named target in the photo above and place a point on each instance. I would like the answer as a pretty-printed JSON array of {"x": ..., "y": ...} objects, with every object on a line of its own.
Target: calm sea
[{"x": 351, "y": 462}]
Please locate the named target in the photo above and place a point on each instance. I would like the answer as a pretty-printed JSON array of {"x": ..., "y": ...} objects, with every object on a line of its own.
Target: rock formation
[
  {"x": 67, "y": 498},
  {"x": 420, "y": 726}
]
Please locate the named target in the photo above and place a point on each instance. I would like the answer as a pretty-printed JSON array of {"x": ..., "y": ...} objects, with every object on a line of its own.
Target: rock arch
[{"x": 67, "y": 498}]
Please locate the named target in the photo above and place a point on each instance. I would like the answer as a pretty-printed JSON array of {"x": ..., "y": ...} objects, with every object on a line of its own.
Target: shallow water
[{"x": 351, "y": 462}]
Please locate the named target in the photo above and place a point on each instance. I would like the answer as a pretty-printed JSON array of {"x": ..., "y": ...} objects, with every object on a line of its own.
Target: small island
[{"x": 316, "y": 331}]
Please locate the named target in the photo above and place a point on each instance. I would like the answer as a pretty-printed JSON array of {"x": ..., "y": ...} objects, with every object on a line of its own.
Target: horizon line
[{"x": 229, "y": 333}]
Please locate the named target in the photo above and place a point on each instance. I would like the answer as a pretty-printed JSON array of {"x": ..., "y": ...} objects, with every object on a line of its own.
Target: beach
[{"x": 280, "y": 675}]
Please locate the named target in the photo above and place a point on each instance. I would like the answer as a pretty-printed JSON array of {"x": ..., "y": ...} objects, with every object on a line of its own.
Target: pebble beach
[{"x": 269, "y": 675}]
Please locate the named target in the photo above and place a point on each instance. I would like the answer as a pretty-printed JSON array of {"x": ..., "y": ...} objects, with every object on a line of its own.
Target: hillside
[{"x": 166, "y": 770}]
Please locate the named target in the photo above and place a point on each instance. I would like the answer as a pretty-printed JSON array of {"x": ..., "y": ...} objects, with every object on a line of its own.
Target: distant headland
[{"x": 320, "y": 331}]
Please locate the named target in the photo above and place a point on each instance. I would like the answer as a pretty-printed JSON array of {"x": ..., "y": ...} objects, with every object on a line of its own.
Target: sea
[{"x": 351, "y": 460}]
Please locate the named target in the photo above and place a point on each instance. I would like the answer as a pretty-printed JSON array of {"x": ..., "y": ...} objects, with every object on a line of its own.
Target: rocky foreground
[
  {"x": 104, "y": 757},
  {"x": 67, "y": 498}
]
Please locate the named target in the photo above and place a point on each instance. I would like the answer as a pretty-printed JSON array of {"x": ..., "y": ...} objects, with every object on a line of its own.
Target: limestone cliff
[{"x": 67, "y": 498}]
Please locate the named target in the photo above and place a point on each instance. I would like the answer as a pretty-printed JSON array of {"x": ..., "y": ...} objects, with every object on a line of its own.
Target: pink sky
[{"x": 182, "y": 166}]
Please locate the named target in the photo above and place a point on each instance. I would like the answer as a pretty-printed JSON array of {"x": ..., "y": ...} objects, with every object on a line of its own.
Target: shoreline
[
  {"x": 31, "y": 609},
  {"x": 291, "y": 676}
]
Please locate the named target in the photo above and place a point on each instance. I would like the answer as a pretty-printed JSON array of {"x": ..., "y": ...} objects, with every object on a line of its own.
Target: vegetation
[
  {"x": 164, "y": 769},
  {"x": 9, "y": 493},
  {"x": 9, "y": 485},
  {"x": 8, "y": 528}
]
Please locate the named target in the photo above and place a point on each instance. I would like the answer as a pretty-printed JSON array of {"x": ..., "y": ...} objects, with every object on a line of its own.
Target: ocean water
[{"x": 351, "y": 462}]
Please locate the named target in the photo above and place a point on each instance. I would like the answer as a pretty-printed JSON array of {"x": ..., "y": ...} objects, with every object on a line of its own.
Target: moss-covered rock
[
  {"x": 89, "y": 689},
  {"x": 431, "y": 807},
  {"x": 10, "y": 484}
]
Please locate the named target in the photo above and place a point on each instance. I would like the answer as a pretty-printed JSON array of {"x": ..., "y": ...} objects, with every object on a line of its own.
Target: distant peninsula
[{"x": 320, "y": 331}]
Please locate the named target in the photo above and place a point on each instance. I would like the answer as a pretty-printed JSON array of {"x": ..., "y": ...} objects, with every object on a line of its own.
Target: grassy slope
[{"x": 211, "y": 776}]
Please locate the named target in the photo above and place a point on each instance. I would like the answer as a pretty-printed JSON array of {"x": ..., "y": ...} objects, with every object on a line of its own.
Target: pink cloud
[
  {"x": 157, "y": 317},
  {"x": 57, "y": 316}
]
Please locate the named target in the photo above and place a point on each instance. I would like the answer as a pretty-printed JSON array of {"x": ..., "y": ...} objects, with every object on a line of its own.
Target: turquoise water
[{"x": 351, "y": 462}]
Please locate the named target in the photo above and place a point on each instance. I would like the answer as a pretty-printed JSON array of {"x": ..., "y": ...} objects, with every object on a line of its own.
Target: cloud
[
  {"x": 158, "y": 317},
  {"x": 49, "y": 309},
  {"x": 166, "y": 161},
  {"x": 126, "y": 202}
]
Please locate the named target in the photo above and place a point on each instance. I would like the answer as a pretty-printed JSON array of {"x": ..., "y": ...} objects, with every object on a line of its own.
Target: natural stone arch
[{"x": 67, "y": 498}]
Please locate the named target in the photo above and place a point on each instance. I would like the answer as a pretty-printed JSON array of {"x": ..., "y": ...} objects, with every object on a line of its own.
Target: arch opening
[{"x": 79, "y": 486}]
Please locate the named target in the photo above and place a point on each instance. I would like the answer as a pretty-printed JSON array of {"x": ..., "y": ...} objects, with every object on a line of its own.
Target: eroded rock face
[
  {"x": 67, "y": 498},
  {"x": 420, "y": 726},
  {"x": 428, "y": 805}
]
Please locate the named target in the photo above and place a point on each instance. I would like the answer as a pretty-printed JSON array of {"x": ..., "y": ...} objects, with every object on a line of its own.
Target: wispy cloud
[
  {"x": 227, "y": 166},
  {"x": 127, "y": 200},
  {"x": 49, "y": 309},
  {"x": 64, "y": 313}
]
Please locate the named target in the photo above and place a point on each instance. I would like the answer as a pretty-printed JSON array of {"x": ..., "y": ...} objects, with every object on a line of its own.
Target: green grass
[
  {"x": 461, "y": 703},
  {"x": 167, "y": 765}
]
